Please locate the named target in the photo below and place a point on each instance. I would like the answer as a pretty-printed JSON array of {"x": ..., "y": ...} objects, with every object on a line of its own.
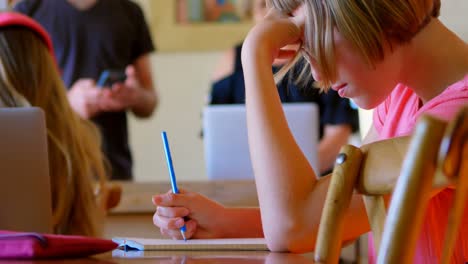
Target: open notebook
[{"x": 130, "y": 243}]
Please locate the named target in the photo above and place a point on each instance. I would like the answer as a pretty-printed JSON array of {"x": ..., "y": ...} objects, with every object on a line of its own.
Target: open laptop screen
[
  {"x": 25, "y": 182},
  {"x": 226, "y": 145}
]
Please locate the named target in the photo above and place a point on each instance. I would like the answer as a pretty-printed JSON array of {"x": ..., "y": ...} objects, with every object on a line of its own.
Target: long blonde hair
[
  {"x": 369, "y": 25},
  {"x": 75, "y": 159}
]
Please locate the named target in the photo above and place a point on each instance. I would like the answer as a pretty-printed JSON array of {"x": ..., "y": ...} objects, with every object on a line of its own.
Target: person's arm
[
  {"x": 291, "y": 199},
  {"x": 334, "y": 137},
  {"x": 242, "y": 222},
  {"x": 203, "y": 218},
  {"x": 284, "y": 178},
  {"x": 148, "y": 98}
]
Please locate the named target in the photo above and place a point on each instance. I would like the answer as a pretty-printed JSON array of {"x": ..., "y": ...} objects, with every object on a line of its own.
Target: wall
[{"x": 182, "y": 80}]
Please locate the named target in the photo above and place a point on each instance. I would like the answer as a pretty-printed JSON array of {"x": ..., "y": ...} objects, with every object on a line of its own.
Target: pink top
[{"x": 397, "y": 116}]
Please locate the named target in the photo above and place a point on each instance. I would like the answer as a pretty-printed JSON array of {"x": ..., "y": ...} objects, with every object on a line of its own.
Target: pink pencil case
[{"x": 23, "y": 245}]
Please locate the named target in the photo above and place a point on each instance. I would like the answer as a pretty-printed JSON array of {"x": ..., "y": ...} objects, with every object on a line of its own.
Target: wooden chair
[{"x": 435, "y": 156}]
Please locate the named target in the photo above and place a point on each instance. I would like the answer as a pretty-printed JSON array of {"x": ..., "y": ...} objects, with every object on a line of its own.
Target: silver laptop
[
  {"x": 225, "y": 138},
  {"x": 25, "y": 192}
]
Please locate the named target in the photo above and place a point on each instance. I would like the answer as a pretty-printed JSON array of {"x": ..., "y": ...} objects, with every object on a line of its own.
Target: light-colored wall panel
[{"x": 182, "y": 81}]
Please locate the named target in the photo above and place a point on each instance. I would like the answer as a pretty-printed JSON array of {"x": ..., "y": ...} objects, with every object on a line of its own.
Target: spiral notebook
[{"x": 232, "y": 244}]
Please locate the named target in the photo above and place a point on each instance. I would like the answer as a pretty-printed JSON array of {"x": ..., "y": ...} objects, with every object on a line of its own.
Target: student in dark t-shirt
[
  {"x": 337, "y": 118},
  {"x": 90, "y": 36}
]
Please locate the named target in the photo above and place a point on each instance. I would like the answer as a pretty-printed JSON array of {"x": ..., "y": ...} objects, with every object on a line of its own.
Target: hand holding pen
[{"x": 170, "y": 167}]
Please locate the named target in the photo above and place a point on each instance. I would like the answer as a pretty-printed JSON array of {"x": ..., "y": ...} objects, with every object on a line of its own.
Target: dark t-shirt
[
  {"x": 110, "y": 35},
  {"x": 333, "y": 109}
]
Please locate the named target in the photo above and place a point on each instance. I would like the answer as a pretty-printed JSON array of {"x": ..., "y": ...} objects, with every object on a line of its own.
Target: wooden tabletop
[
  {"x": 186, "y": 257},
  {"x": 133, "y": 218}
]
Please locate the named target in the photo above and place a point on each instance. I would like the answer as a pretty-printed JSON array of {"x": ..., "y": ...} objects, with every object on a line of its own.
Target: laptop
[
  {"x": 25, "y": 192},
  {"x": 226, "y": 145}
]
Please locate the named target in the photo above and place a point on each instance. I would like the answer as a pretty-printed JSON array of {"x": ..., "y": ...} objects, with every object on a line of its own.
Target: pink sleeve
[{"x": 448, "y": 105}]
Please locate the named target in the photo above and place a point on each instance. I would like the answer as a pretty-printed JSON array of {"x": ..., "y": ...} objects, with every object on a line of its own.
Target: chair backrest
[{"x": 435, "y": 155}]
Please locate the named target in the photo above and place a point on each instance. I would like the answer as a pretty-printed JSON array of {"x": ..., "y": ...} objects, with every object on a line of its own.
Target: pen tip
[{"x": 183, "y": 235}]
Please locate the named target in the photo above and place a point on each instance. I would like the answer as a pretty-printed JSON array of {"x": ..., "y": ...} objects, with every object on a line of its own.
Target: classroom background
[{"x": 182, "y": 67}]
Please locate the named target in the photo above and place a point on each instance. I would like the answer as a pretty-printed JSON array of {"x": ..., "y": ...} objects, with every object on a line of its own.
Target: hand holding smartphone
[{"x": 109, "y": 77}]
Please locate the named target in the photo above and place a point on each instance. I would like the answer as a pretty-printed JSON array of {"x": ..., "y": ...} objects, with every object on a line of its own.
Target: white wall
[{"x": 182, "y": 81}]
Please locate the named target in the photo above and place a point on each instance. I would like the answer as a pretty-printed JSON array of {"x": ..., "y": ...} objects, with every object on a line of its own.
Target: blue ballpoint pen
[{"x": 170, "y": 167}]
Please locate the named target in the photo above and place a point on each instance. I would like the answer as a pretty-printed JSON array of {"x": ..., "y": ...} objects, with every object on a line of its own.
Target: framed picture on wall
[
  {"x": 214, "y": 11},
  {"x": 197, "y": 25}
]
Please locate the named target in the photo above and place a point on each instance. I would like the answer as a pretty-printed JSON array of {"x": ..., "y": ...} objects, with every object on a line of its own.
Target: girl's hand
[
  {"x": 266, "y": 40},
  {"x": 202, "y": 217}
]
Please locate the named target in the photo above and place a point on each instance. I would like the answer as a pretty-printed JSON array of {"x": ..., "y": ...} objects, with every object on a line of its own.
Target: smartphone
[{"x": 109, "y": 77}]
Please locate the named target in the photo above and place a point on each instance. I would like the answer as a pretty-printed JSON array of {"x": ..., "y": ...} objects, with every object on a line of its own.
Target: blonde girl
[{"x": 392, "y": 55}]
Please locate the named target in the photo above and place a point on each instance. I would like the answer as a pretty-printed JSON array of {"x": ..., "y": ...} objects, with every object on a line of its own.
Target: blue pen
[{"x": 170, "y": 167}]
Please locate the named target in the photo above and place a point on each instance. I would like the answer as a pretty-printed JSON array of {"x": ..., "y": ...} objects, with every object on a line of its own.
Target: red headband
[{"x": 16, "y": 19}]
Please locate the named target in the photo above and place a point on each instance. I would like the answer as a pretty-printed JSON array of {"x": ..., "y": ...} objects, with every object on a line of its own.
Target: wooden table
[
  {"x": 174, "y": 257},
  {"x": 133, "y": 218}
]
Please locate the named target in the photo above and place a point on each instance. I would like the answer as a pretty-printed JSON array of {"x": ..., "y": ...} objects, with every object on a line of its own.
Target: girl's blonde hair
[
  {"x": 369, "y": 25},
  {"x": 75, "y": 159}
]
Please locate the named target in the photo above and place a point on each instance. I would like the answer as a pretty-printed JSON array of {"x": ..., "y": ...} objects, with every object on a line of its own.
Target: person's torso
[
  {"x": 87, "y": 42},
  {"x": 397, "y": 116}
]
